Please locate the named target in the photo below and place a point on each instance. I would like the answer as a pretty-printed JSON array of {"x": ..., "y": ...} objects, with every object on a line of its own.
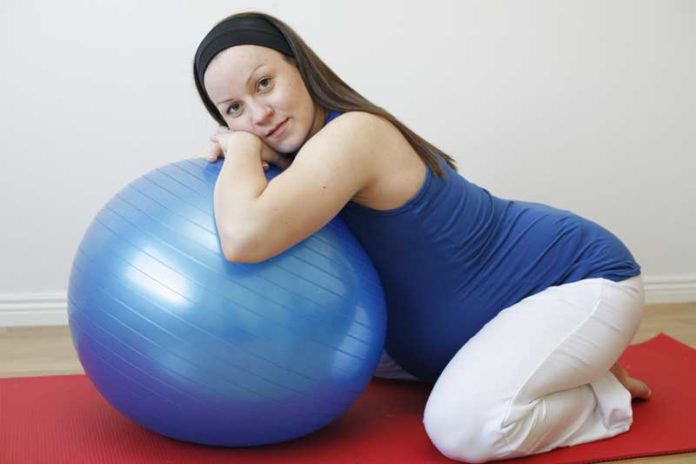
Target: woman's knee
[{"x": 466, "y": 430}]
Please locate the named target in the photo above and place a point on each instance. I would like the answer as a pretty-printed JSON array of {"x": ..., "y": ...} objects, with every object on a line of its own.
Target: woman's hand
[{"x": 224, "y": 141}]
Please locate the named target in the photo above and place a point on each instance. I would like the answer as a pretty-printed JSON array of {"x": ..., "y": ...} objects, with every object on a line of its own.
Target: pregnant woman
[{"x": 517, "y": 312}]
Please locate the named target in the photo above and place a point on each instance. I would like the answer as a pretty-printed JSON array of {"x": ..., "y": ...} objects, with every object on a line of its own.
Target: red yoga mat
[{"x": 63, "y": 419}]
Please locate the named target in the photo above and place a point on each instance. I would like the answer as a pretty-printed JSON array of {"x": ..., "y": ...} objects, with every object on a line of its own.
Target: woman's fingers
[
  {"x": 214, "y": 152},
  {"x": 218, "y": 133}
]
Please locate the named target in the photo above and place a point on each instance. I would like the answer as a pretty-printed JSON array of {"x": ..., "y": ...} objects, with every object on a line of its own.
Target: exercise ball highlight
[{"x": 199, "y": 349}]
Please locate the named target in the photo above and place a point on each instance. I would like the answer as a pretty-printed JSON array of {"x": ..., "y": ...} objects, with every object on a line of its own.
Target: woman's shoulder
[
  {"x": 362, "y": 119},
  {"x": 362, "y": 130},
  {"x": 395, "y": 169}
]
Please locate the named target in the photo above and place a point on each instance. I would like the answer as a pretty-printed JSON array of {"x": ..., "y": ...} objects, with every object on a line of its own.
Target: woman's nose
[{"x": 263, "y": 116}]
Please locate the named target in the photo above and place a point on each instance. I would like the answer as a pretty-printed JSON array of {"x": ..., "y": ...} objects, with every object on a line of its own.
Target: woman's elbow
[
  {"x": 233, "y": 255},
  {"x": 232, "y": 247},
  {"x": 239, "y": 250}
]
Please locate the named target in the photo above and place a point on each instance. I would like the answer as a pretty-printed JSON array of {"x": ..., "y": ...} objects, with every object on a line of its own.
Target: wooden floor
[{"x": 30, "y": 351}]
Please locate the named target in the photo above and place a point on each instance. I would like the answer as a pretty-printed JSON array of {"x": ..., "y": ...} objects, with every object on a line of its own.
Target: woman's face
[{"x": 255, "y": 89}]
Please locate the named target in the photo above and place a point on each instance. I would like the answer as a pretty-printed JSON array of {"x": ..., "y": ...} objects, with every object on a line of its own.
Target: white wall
[{"x": 585, "y": 105}]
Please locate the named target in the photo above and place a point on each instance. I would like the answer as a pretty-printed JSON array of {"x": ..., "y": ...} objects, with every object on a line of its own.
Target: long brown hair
[{"x": 331, "y": 93}]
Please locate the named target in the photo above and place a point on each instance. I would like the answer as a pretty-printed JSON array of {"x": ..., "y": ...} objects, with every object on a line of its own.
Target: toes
[{"x": 639, "y": 389}]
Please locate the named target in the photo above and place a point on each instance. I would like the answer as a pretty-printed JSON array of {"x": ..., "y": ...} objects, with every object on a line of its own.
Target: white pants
[{"x": 536, "y": 377}]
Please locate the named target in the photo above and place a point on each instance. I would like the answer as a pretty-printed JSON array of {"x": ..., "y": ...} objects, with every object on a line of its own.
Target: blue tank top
[{"x": 454, "y": 256}]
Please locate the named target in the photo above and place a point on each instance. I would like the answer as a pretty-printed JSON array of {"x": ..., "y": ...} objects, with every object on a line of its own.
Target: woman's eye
[
  {"x": 265, "y": 79},
  {"x": 231, "y": 108}
]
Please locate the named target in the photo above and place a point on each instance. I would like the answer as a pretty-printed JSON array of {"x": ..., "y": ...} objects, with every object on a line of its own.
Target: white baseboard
[
  {"x": 51, "y": 308},
  {"x": 33, "y": 309},
  {"x": 670, "y": 289}
]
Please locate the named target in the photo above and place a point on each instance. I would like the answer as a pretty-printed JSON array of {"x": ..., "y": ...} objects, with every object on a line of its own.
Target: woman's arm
[
  {"x": 261, "y": 219},
  {"x": 240, "y": 182}
]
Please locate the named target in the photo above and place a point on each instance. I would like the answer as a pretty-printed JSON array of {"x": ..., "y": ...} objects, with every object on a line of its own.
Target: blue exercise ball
[{"x": 199, "y": 349}]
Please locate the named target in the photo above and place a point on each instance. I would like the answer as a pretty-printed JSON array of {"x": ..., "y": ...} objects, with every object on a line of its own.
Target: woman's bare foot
[{"x": 638, "y": 388}]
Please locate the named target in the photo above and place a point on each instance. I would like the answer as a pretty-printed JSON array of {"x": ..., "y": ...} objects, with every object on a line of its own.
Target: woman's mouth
[{"x": 279, "y": 130}]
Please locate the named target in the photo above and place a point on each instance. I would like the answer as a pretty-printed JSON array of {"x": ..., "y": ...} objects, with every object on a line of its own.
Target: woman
[{"x": 517, "y": 311}]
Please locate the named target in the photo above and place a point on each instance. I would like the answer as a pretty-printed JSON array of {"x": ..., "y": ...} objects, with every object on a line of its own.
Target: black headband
[{"x": 239, "y": 31}]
